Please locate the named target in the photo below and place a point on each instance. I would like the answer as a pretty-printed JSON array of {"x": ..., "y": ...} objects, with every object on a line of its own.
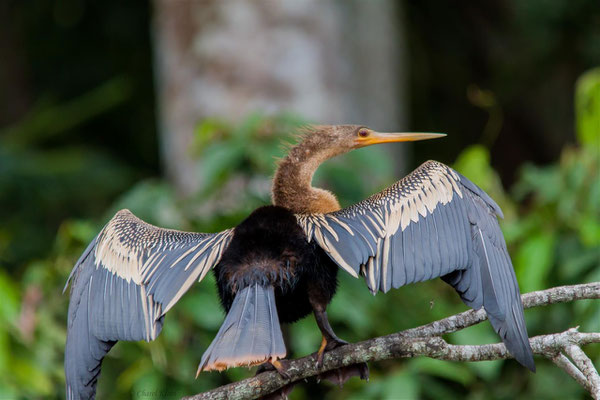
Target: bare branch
[
  {"x": 563, "y": 362},
  {"x": 425, "y": 341},
  {"x": 585, "y": 365},
  {"x": 559, "y": 294}
]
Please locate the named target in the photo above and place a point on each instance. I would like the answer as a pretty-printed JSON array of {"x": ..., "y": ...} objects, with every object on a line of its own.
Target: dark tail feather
[
  {"x": 250, "y": 334},
  {"x": 501, "y": 297}
]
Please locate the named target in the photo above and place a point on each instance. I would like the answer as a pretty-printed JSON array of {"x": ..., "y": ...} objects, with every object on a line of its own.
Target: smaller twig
[
  {"x": 586, "y": 366},
  {"x": 564, "y": 363}
]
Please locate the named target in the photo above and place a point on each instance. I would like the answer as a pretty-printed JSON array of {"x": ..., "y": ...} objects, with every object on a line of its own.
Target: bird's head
[{"x": 350, "y": 137}]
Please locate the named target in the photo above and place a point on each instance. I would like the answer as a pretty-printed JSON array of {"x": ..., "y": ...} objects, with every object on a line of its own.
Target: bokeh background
[{"x": 176, "y": 110}]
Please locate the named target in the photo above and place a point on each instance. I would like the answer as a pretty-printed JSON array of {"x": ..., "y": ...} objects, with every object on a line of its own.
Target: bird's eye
[{"x": 363, "y": 133}]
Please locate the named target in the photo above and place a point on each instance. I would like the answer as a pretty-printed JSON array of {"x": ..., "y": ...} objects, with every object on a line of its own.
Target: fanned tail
[{"x": 250, "y": 334}]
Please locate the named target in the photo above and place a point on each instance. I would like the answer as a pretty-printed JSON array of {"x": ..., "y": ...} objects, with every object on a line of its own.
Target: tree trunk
[{"x": 330, "y": 62}]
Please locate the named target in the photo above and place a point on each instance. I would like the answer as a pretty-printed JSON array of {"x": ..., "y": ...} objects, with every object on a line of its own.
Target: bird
[{"x": 281, "y": 263}]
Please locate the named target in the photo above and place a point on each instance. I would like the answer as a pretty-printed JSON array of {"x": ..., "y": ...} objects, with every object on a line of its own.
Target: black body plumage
[
  {"x": 270, "y": 249},
  {"x": 268, "y": 274}
]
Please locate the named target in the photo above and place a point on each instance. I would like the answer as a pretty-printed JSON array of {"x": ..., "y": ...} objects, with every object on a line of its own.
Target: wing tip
[
  {"x": 479, "y": 192},
  {"x": 525, "y": 358},
  {"x": 530, "y": 365}
]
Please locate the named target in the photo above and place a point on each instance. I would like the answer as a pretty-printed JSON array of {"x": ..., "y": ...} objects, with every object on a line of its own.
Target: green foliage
[
  {"x": 587, "y": 107},
  {"x": 41, "y": 184},
  {"x": 47, "y": 120}
]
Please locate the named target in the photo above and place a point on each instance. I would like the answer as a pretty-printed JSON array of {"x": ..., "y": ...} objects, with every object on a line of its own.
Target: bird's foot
[
  {"x": 327, "y": 345},
  {"x": 340, "y": 375},
  {"x": 281, "y": 367}
]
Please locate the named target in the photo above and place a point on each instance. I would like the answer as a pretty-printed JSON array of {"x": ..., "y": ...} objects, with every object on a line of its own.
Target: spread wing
[
  {"x": 433, "y": 223},
  {"x": 129, "y": 276}
]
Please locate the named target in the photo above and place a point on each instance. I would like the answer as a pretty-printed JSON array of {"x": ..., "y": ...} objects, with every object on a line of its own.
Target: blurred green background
[{"x": 78, "y": 141}]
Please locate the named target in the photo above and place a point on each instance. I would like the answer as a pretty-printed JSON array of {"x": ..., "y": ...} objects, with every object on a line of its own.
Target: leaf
[
  {"x": 475, "y": 335},
  {"x": 205, "y": 299},
  {"x": 45, "y": 121},
  {"x": 550, "y": 382},
  {"x": 4, "y": 354},
  {"x": 7, "y": 392},
  {"x": 575, "y": 260},
  {"x": 361, "y": 318},
  {"x": 153, "y": 201},
  {"x": 133, "y": 372},
  {"x": 400, "y": 384},
  {"x": 9, "y": 306},
  {"x": 457, "y": 372},
  {"x": 474, "y": 162},
  {"x": 219, "y": 160},
  {"x": 534, "y": 260},
  {"x": 305, "y": 337},
  {"x": 207, "y": 131},
  {"x": 150, "y": 385},
  {"x": 544, "y": 182},
  {"x": 589, "y": 232},
  {"x": 587, "y": 109},
  {"x": 30, "y": 376}
]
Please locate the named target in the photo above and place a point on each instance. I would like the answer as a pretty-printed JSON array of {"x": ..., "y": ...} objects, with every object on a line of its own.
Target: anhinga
[{"x": 281, "y": 263}]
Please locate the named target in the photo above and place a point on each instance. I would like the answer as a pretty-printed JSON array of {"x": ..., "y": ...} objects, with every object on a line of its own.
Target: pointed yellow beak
[{"x": 367, "y": 137}]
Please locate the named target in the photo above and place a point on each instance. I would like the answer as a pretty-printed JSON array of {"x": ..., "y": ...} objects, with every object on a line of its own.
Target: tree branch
[
  {"x": 583, "y": 362},
  {"x": 563, "y": 362},
  {"x": 426, "y": 341}
]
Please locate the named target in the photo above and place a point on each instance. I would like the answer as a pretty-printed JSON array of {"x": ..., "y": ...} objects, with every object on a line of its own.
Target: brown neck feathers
[{"x": 292, "y": 182}]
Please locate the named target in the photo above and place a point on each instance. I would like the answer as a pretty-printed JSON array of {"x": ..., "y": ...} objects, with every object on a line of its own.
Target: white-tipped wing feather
[
  {"x": 433, "y": 223},
  {"x": 125, "y": 281}
]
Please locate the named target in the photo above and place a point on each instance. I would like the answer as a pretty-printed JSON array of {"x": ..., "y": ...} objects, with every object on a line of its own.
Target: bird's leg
[
  {"x": 281, "y": 367},
  {"x": 330, "y": 340},
  {"x": 321, "y": 352}
]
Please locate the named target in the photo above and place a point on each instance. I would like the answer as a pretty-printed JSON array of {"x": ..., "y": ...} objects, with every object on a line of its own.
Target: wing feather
[
  {"x": 125, "y": 281},
  {"x": 433, "y": 223}
]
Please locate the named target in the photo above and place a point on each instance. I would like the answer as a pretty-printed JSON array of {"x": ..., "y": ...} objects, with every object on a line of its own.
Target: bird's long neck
[{"x": 292, "y": 186}]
